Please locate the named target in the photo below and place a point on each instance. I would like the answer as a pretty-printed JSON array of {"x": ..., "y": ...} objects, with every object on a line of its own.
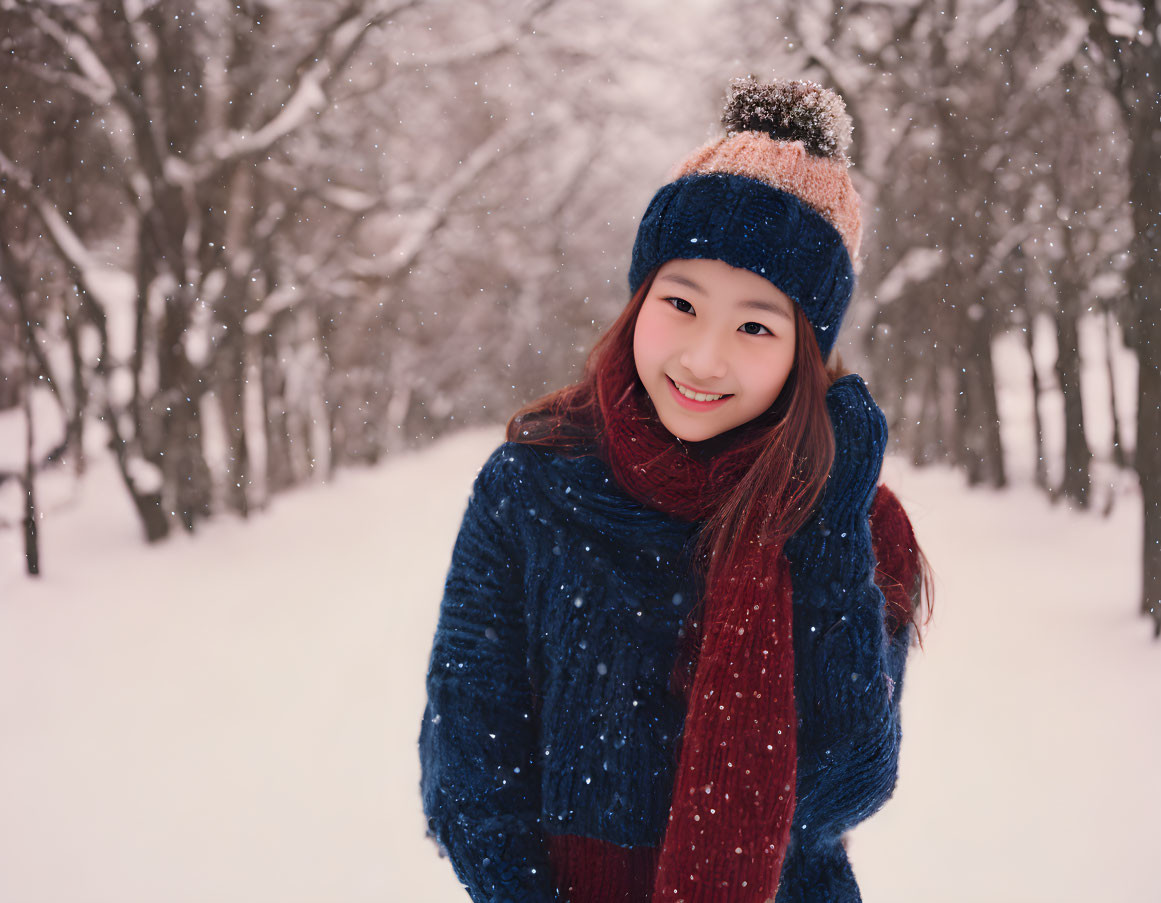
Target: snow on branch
[
  {"x": 309, "y": 95},
  {"x": 482, "y": 47},
  {"x": 307, "y": 98},
  {"x": 992, "y": 19},
  {"x": 98, "y": 84},
  {"x": 434, "y": 212},
  {"x": 1062, "y": 52},
  {"x": 79, "y": 84},
  {"x": 1123, "y": 18},
  {"x": 1017, "y": 234},
  {"x": 915, "y": 266},
  {"x": 67, "y": 243}
]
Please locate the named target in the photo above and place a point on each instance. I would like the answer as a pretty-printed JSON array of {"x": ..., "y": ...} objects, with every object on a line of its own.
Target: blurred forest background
[{"x": 247, "y": 243}]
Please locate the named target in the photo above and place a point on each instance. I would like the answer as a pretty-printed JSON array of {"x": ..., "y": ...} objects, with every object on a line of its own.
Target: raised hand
[
  {"x": 839, "y": 532},
  {"x": 860, "y": 438}
]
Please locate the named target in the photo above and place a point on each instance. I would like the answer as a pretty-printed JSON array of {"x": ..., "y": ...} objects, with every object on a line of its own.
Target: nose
[{"x": 703, "y": 358}]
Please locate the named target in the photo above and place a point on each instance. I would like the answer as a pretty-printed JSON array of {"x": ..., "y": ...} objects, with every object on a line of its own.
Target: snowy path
[{"x": 233, "y": 716}]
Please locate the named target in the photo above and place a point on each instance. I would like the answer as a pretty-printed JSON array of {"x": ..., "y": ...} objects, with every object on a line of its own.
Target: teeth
[{"x": 696, "y": 396}]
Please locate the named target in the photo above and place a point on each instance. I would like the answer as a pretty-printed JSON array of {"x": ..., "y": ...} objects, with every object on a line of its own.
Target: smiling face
[{"x": 712, "y": 328}]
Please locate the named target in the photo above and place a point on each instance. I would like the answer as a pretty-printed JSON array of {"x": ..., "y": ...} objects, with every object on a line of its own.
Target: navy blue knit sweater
[{"x": 549, "y": 711}]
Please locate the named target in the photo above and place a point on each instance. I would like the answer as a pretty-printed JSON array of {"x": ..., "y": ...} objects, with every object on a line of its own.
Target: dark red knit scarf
[{"x": 733, "y": 797}]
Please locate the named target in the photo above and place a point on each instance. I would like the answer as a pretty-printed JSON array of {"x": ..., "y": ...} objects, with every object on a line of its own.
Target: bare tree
[
  {"x": 245, "y": 302},
  {"x": 287, "y": 244},
  {"x": 1126, "y": 54}
]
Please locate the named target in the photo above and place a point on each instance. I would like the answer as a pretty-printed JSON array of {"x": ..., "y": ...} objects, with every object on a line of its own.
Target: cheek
[
  {"x": 772, "y": 374},
  {"x": 648, "y": 337},
  {"x": 785, "y": 365}
]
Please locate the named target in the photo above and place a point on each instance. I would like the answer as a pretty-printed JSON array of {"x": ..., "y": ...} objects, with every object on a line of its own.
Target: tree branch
[
  {"x": 308, "y": 94},
  {"x": 65, "y": 241},
  {"x": 483, "y": 47},
  {"x": 433, "y": 214}
]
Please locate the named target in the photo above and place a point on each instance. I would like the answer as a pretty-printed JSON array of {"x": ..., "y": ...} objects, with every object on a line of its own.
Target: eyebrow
[{"x": 753, "y": 303}]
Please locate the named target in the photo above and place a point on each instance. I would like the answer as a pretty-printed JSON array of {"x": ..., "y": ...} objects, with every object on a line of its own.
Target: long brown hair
[{"x": 793, "y": 440}]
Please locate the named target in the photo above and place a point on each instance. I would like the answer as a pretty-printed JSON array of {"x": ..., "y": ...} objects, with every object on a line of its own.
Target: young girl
[{"x": 671, "y": 645}]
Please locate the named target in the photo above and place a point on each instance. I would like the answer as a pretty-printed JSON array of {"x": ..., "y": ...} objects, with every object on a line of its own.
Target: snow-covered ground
[{"x": 233, "y": 715}]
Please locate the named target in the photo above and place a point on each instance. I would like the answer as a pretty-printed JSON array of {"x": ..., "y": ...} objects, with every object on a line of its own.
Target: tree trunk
[
  {"x": 1142, "y": 114},
  {"x": 929, "y": 429},
  {"x": 990, "y": 411},
  {"x": 985, "y": 449},
  {"x": 31, "y": 544},
  {"x": 1041, "y": 467},
  {"x": 76, "y": 428},
  {"x": 336, "y": 429},
  {"x": 1120, "y": 459},
  {"x": 279, "y": 472},
  {"x": 1076, "y": 482},
  {"x": 187, "y": 474},
  {"x": 963, "y": 427},
  {"x": 1148, "y": 429},
  {"x": 232, "y": 391},
  {"x": 154, "y": 521},
  {"x": 187, "y": 484}
]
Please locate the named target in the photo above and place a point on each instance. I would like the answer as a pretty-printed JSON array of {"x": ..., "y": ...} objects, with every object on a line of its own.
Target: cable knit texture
[
  {"x": 822, "y": 182},
  {"x": 550, "y": 737},
  {"x": 753, "y": 226},
  {"x": 733, "y": 799},
  {"x": 772, "y": 196}
]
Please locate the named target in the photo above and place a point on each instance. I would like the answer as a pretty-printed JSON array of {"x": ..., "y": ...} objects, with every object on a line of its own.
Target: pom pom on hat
[
  {"x": 790, "y": 110},
  {"x": 792, "y": 135},
  {"x": 772, "y": 195}
]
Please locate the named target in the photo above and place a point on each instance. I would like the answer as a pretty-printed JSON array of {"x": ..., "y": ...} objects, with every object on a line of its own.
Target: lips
[{"x": 691, "y": 403}]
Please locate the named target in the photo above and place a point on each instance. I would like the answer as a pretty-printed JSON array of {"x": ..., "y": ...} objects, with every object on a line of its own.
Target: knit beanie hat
[{"x": 772, "y": 196}]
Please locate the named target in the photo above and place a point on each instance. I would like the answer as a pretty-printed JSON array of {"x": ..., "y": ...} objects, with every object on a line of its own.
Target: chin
[{"x": 687, "y": 435}]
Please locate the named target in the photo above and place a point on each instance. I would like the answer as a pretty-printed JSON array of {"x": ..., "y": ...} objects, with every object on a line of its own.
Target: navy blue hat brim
[{"x": 753, "y": 226}]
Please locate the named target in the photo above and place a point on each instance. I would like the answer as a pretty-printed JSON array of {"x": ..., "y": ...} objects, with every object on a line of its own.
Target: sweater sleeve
[
  {"x": 853, "y": 641},
  {"x": 479, "y": 780}
]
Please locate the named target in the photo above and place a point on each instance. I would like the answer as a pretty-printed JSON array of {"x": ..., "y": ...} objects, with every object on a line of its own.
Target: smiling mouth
[{"x": 680, "y": 386}]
